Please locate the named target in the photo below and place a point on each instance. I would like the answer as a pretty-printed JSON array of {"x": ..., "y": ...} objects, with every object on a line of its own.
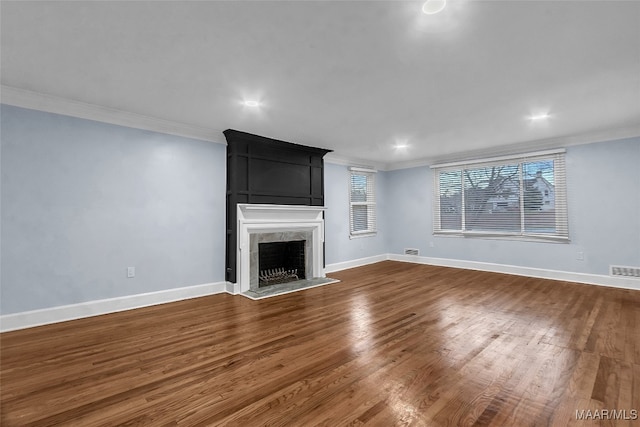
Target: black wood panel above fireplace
[{"x": 268, "y": 171}]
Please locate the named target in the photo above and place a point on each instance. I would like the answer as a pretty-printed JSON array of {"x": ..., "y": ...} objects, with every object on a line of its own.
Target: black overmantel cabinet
[{"x": 268, "y": 171}]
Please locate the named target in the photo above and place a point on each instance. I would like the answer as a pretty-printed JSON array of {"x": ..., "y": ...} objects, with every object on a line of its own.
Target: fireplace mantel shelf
[
  {"x": 256, "y": 207},
  {"x": 278, "y": 214}
]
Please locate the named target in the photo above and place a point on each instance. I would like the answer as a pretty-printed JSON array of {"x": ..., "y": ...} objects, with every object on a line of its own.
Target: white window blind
[
  {"x": 362, "y": 202},
  {"x": 523, "y": 196}
]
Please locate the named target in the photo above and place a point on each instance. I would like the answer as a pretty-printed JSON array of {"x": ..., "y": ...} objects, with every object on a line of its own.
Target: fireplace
[
  {"x": 281, "y": 262},
  {"x": 274, "y": 240},
  {"x": 263, "y": 171},
  {"x": 279, "y": 257}
]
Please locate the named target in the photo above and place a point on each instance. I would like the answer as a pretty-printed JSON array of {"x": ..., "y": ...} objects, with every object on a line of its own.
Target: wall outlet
[
  {"x": 131, "y": 272},
  {"x": 580, "y": 256},
  {"x": 431, "y": 244}
]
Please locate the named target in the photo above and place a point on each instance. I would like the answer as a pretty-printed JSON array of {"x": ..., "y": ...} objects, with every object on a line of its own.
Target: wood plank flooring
[{"x": 392, "y": 344}]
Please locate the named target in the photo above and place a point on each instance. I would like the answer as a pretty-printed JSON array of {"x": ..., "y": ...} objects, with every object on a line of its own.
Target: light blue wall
[
  {"x": 603, "y": 184},
  {"x": 339, "y": 247},
  {"x": 82, "y": 200}
]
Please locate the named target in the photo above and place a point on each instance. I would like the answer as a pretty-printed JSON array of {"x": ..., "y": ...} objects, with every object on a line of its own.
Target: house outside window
[
  {"x": 515, "y": 197},
  {"x": 362, "y": 202}
]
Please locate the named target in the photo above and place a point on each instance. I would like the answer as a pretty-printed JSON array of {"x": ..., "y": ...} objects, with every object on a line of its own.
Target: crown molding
[
  {"x": 52, "y": 104},
  {"x": 524, "y": 147},
  {"x": 338, "y": 159},
  {"x": 409, "y": 164},
  {"x": 506, "y": 150}
]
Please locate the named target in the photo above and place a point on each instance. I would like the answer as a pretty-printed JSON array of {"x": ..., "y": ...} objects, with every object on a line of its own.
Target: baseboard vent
[
  {"x": 411, "y": 251},
  {"x": 624, "y": 271}
]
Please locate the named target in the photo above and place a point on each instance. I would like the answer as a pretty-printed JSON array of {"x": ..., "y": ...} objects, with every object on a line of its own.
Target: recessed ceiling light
[
  {"x": 538, "y": 117},
  {"x": 251, "y": 103},
  {"x": 431, "y": 7},
  {"x": 401, "y": 145}
]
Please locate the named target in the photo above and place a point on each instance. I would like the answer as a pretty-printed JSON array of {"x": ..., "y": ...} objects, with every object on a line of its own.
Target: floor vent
[
  {"x": 621, "y": 270},
  {"x": 410, "y": 251}
]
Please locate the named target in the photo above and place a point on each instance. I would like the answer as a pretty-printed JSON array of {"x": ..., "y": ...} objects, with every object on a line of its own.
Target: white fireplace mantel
[{"x": 258, "y": 218}]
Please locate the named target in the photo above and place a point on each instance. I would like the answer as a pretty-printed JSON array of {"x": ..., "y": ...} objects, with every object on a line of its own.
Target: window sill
[
  {"x": 512, "y": 237},
  {"x": 363, "y": 234}
]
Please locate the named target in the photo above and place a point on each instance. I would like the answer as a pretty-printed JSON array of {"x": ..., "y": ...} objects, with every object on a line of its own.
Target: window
[
  {"x": 521, "y": 197},
  {"x": 362, "y": 202}
]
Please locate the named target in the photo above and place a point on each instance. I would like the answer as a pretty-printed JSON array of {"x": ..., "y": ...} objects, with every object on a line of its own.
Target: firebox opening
[{"x": 281, "y": 262}]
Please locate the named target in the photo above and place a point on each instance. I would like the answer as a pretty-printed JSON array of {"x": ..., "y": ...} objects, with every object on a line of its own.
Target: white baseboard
[
  {"x": 28, "y": 319},
  {"x": 232, "y": 288},
  {"x": 330, "y": 268},
  {"x": 567, "y": 276}
]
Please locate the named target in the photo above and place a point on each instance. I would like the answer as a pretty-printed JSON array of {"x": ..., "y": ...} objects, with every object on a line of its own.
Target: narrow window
[{"x": 362, "y": 202}]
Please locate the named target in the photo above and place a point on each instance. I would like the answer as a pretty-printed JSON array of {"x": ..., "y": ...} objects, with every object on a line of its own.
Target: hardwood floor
[{"x": 392, "y": 344}]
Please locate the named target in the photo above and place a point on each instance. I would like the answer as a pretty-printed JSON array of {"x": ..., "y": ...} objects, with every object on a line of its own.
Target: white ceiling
[{"x": 353, "y": 76}]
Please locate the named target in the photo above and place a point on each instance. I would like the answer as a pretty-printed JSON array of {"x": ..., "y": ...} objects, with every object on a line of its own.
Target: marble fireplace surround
[{"x": 259, "y": 223}]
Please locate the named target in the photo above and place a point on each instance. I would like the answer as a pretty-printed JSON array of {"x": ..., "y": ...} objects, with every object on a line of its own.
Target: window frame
[
  {"x": 561, "y": 227},
  {"x": 372, "y": 228}
]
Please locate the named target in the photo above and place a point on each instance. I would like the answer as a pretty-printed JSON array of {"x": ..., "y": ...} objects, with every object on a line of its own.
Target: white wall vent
[
  {"x": 411, "y": 251},
  {"x": 624, "y": 271}
]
